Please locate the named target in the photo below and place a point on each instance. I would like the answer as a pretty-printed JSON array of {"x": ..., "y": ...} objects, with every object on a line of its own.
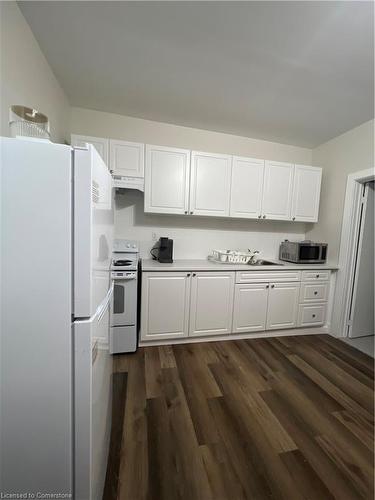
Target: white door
[
  {"x": 211, "y": 306},
  {"x": 246, "y": 187},
  {"x": 277, "y": 190},
  {"x": 127, "y": 158},
  {"x": 282, "y": 305},
  {"x": 100, "y": 144},
  {"x": 306, "y": 193},
  {"x": 167, "y": 175},
  {"x": 210, "y": 184},
  {"x": 165, "y": 305},
  {"x": 250, "y": 307},
  {"x": 362, "y": 307},
  {"x": 93, "y": 231}
]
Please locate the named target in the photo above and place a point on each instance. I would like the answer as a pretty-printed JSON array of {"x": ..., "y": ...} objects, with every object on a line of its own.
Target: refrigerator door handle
[{"x": 105, "y": 304}]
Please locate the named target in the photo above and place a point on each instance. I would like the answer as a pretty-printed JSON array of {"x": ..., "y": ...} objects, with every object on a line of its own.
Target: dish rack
[{"x": 232, "y": 256}]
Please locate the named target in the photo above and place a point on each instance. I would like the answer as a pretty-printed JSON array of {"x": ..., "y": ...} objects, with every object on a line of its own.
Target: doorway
[
  {"x": 353, "y": 312},
  {"x": 361, "y": 308}
]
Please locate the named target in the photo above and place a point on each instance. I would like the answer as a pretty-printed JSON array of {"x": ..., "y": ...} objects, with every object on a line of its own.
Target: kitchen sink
[{"x": 262, "y": 262}]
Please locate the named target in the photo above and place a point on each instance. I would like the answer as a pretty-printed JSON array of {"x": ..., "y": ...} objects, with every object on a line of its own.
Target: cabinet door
[
  {"x": 211, "y": 305},
  {"x": 127, "y": 158},
  {"x": 250, "y": 307},
  {"x": 210, "y": 184},
  {"x": 306, "y": 193},
  {"x": 246, "y": 187},
  {"x": 277, "y": 190},
  {"x": 282, "y": 305},
  {"x": 167, "y": 180},
  {"x": 99, "y": 143},
  {"x": 165, "y": 305}
]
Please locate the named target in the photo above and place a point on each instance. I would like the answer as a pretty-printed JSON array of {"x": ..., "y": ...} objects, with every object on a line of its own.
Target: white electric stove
[{"x": 124, "y": 273}]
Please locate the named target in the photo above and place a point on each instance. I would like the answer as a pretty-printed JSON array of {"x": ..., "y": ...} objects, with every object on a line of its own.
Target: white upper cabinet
[
  {"x": 127, "y": 158},
  {"x": 211, "y": 304},
  {"x": 246, "y": 187},
  {"x": 167, "y": 173},
  {"x": 210, "y": 184},
  {"x": 306, "y": 193},
  {"x": 99, "y": 143},
  {"x": 277, "y": 190}
]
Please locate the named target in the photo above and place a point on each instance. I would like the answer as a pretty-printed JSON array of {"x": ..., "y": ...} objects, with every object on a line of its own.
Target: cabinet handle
[
  {"x": 264, "y": 216},
  {"x": 315, "y": 293},
  {"x": 267, "y": 286},
  {"x": 294, "y": 218},
  {"x": 191, "y": 213},
  {"x": 272, "y": 286},
  {"x": 194, "y": 275},
  {"x": 188, "y": 275},
  {"x": 313, "y": 315},
  {"x": 317, "y": 275},
  {"x": 186, "y": 211},
  {"x": 259, "y": 216}
]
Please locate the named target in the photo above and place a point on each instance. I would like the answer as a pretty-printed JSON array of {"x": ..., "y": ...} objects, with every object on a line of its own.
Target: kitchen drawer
[
  {"x": 316, "y": 275},
  {"x": 314, "y": 292},
  {"x": 312, "y": 315},
  {"x": 267, "y": 276}
]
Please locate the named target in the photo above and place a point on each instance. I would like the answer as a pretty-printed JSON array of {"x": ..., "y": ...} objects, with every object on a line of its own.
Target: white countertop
[{"x": 207, "y": 265}]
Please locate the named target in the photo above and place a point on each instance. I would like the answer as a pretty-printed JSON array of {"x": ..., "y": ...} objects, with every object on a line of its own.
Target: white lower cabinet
[
  {"x": 311, "y": 314},
  {"x": 250, "y": 307},
  {"x": 181, "y": 304},
  {"x": 282, "y": 306},
  {"x": 197, "y": 304},
  {"x": 211, "y": 305},
  {"x": 165, "y": 305}
]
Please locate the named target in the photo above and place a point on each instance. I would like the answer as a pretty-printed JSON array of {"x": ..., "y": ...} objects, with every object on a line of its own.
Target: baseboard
[{"x": 239, "y": 336}]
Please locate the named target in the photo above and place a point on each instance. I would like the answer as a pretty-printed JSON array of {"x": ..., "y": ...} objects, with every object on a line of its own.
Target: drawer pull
[
  {"x": 313, "y": 315},
  {"x": 317, "y": 275},
  {"x": 315, "y": 293}
]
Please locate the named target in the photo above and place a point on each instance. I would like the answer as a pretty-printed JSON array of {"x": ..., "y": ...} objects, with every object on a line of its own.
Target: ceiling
[{"x": 293, "y": 72}]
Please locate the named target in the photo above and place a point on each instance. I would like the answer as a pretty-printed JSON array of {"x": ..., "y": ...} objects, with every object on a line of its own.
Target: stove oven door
[{"x": 124, "y": 303}]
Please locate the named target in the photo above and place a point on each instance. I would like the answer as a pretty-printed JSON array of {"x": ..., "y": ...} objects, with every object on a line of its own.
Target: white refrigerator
[{"x": 56, "y": 244}]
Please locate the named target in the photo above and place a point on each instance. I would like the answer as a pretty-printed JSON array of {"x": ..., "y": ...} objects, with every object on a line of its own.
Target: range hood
[{"x": 121, "y": 182}]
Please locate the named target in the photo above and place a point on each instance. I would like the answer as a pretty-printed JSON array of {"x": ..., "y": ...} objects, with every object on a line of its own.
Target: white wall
[
  {"x": 345, "y": 154},
  {"x": 97, "y": 123},
  {"x": 194, "y": 237},
  {"x": 26, "y": 77}
]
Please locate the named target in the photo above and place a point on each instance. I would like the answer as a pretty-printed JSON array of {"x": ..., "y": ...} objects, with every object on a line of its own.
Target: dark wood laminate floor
[{"x": 288, "y": 418}]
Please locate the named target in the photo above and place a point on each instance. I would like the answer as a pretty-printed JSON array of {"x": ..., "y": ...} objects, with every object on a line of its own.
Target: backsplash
[{"x": 195, "y": 237}]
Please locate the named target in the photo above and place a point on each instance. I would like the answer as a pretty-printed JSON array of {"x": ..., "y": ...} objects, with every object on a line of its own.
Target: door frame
[{"x": 350, "y": 228}]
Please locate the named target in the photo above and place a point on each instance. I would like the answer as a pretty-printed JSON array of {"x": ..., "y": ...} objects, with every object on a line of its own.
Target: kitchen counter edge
[{"x": 149, "y": 265}]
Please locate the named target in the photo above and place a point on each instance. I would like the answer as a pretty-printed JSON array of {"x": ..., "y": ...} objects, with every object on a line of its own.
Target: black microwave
[{"x": 303, "y": 252}]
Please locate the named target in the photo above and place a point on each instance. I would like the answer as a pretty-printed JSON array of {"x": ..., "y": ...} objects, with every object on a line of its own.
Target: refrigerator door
[
  {"x": 92, "y": 402},
  {"x": 93, "y": 231},
  {"x": 36, "y": 306}
]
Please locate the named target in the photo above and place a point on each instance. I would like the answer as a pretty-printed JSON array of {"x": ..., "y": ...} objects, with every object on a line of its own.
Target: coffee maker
[{"x": 163, "y": 250}]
